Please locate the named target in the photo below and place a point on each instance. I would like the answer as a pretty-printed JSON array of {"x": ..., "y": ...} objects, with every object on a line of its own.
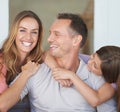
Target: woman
[
  {"x": 3, "y": 85},
  {"x": 106, "y": 62},
  {"x": 23, "y": 44}
]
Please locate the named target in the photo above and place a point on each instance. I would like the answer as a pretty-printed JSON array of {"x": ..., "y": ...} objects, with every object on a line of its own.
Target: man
[{"x": 67, "y": 35}]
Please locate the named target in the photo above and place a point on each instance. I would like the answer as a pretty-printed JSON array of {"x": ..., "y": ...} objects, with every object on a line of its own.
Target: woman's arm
[
  {"x": 3, "y": 71},
  {"x": 94, "y": 97},
  {"x": 3, "y": 84},
  {"x": 9, "y": 97}
]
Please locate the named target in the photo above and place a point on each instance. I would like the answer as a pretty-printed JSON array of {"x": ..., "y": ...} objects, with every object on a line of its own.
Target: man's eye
[
  {"x": 35, "y": 32},
  {"x": 58, "y": 35}
]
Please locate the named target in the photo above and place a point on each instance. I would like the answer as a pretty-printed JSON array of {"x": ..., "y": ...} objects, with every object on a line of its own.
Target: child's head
[{"x": 106, "y": 62}]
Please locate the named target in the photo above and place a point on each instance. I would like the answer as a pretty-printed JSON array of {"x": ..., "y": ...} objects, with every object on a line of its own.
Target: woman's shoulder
[
  {"x": 1, "y": 54},
  {"x": 3, "y": 68},
  {"x": 3, "y": 71}
]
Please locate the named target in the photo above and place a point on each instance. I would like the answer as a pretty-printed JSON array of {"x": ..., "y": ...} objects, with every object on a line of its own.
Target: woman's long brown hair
[{"x": 11, "y": 55}]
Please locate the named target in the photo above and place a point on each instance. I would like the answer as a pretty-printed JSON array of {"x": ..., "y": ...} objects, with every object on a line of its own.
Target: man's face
[{"x": 60, "y": 38}]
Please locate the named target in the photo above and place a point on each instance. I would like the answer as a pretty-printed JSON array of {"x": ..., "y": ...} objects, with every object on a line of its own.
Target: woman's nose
[{"x": 28, "y": 35}]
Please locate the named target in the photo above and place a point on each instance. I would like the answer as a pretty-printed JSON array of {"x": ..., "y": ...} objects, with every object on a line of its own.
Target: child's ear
[{"x": 77, "y": 40}]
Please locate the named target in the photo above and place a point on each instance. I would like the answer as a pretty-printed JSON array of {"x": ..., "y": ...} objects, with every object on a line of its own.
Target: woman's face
[
  {"x": 94, "y": 64},
  {"x": 27, "y": 35}
]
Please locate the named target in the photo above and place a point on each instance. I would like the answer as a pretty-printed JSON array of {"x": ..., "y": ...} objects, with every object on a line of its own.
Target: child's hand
[
  {"x": 63, "y": 76},
  {"x": 60, "y": 73},
  {"x": 65, "y": 82}
]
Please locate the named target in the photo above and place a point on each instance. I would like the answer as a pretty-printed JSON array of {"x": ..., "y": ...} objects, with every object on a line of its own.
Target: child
[{"x": 106, "y": 62}]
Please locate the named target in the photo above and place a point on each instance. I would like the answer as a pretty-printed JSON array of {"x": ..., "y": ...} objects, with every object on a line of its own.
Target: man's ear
[{"x": 77, "y": 40}]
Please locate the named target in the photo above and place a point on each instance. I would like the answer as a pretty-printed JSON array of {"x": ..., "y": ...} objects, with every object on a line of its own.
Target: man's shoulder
[
  {"x": 44, "y": 65},
  {"x": 44, "y": 68}
]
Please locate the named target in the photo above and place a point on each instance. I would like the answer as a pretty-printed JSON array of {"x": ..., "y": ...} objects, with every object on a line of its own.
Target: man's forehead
[{"x": 62, "y": 21}]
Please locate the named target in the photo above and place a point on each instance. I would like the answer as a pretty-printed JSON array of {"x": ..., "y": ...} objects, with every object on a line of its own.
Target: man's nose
[{"x": 51, "y": 38}]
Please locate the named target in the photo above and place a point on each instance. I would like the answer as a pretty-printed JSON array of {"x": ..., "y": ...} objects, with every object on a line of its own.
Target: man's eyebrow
[{"x": 55, "y": 32}]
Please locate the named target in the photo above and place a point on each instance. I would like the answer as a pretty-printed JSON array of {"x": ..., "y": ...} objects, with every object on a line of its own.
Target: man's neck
[{"x": 71, "y": 63}]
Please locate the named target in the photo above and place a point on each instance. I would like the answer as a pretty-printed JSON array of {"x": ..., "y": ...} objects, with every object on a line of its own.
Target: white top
[{"x": 47, "y": 95}]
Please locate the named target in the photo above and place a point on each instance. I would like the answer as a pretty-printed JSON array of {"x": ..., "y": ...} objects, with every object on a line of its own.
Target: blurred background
[
  {"x": 47, "y": 10},
  {"x": 101, "y": 16}
]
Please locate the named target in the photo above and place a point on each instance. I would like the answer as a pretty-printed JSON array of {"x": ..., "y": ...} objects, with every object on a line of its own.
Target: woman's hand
[{"x": 30, "y": 68}]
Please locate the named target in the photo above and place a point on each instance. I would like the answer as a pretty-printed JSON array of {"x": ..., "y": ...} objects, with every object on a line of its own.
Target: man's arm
[{"x": 12, "y": 94}]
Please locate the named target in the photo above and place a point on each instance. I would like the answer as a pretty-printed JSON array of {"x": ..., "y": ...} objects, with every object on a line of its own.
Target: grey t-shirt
[
  {"x": 108, "y": 106},
  {"x": 47, "y": 95}
]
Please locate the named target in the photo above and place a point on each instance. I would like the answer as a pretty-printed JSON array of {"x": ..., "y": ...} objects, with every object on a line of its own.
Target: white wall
[
  {"x": 106, "y": 23},
  {"x": 4, "y": 19}
]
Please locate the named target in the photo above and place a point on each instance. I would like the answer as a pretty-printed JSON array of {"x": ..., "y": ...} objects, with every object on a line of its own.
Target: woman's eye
[
  {"x": 35, "y": 32},
  {"x": 21, "y": 30}
]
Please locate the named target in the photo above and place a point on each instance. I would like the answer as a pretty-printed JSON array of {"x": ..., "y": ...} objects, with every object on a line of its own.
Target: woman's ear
[{"x": 77, "y": 40}]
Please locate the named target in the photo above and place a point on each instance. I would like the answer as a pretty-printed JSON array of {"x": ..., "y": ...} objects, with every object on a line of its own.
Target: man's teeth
[
  {"x": 53, "y": 46},
  {"x": 26, "y": 43}
]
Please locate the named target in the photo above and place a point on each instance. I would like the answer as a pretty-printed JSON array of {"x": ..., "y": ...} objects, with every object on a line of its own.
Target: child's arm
[
  {"x": 94, "y": 97},
  {"x": 52, "y": 63}
]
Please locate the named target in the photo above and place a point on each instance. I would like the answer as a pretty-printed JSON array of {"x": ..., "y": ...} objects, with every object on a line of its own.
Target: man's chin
[{"x": 52, "y": 52}]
